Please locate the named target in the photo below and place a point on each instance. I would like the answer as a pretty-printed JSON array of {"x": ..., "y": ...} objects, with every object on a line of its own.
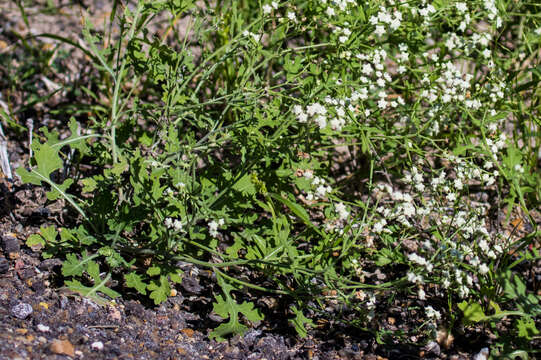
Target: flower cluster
[
  {"x": 175, "y": 224},
  {"x": 385, "y": 21},
  {"x": 432, "y": 206},
  {"x": 213, "y": 226},
  {"x": 319, "y": 186}
]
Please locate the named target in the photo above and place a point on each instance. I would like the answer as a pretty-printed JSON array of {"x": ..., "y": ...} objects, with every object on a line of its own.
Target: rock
[
  {"x": 10, "y": 245},
  {"x": 482, "y": 355},
  {"x": 21, "y": 310},
  {"x": 433, "y": 348},
  {"x": 114, "y": 314},
  {"x": 62, "y": 347},
  {"x": 13, "y": 355},
  {"x": 97, "y": 345},
  {"x": 191, "y": 285},
  {"x": 50, "y": 264},
  {"x": 4, "y": 265},
  {"x": 43, "y": 328}
]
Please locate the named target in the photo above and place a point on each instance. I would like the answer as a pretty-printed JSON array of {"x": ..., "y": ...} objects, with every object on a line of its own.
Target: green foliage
[
  {"x": 75, "y": 267},
  {"x": 300, "y": 321},
  {"x": 228, "y": 308},
  {"x": 330, "y": 156}
]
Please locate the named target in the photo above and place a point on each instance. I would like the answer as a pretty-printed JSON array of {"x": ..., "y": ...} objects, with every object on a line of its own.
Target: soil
[{"x": 40, "y": 319}]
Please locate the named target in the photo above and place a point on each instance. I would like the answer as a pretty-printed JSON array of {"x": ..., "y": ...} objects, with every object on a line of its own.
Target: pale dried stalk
[
  {"x": 30, "y": 126},
  {"x": 4, "y": 159}
]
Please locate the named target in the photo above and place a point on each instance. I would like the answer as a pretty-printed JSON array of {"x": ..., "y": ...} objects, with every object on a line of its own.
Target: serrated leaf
[
  {"x": 227, "y": 307},
  {"x": 89, "y": 185},
  {"x": 92, "y": 292},
  {"x": 176, "y": 277},
  {"x": 34, "y": 240},
  {"x": 75, "y": 267},
  {"x": 133, "y": 280},
  {"x": 48, "y": 161},
  {"x": 300, "y": 321},
  {"x": 93, "y": 269},
  {"x": 159, "y": 291},
  {"x": 49, "y": 233},
  {"x": 526, "y": 328},
  {"x": 154, "y": 270},
  {"x": 231, "y": 327}
]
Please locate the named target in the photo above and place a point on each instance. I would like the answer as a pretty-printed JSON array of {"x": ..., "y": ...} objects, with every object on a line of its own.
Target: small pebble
[
  {"x": 10, "y": 244},
  {"x": 97, "y": 345},
  {"x": 62, "y": 347},
  {"x": 43, "y": 328},
  {"x": 21, "y": 310},
  {"x": 4, "y": 265},
  {"x": 482, "y": 355}
]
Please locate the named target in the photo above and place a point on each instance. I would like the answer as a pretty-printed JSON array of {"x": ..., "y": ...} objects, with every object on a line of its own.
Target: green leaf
[
  {"x": 176, "y": 276},
  {"x": 133, "y": 280},
  {"x": 473, "y": 312},
  {"x": 35, "y": 239},
  {"x": 49, "y": 233},
  {"x": 245, "y": 186},
  {"x": 75, "y": 267},
  {"x": 159, "y": 292},
  {"x": 513, "y": 286},
  {"x": 154, "y": 270},
  {"x": 526, "y": 328},
  {"x": 227, "y": 307},
  {"x": 300, "y": 321},
  {"x": 47, "y": 160},
  {"x": 89, "y": 185},
  {"x": 297, "y": 210},
  {"x": 92, "y": 292}
]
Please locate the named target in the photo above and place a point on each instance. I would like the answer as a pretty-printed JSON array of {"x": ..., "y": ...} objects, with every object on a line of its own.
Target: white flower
[
  {"x": 461, "y": 7},
  {"x": 463, "y": 291},
  {"x": 291, "y": 16},
  {"x": 432, "y": 313},
  {"x": 380, "y": 30},
  {"x": 213, "y": 228},
  {"x": 483, "y": 269},
  {"x": 168, "y": 222},
  {"x": 321, "y": 121},
  {"x": 267, "y": 9},
  {"x": 378, "y": 227},
  {"x": 483, "y": 245},
  {"x": 446, "y": 283},
  {"x": 342, "y": 211},
  {"x": 316, "y": 108},
  {"x": 409, "y": 209},
  {"x": 177, "y": 225},
  {"x": 330, "y": 11},
  {"x": 421, "y": 294},
  {"x": 413, "y": 278}
]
